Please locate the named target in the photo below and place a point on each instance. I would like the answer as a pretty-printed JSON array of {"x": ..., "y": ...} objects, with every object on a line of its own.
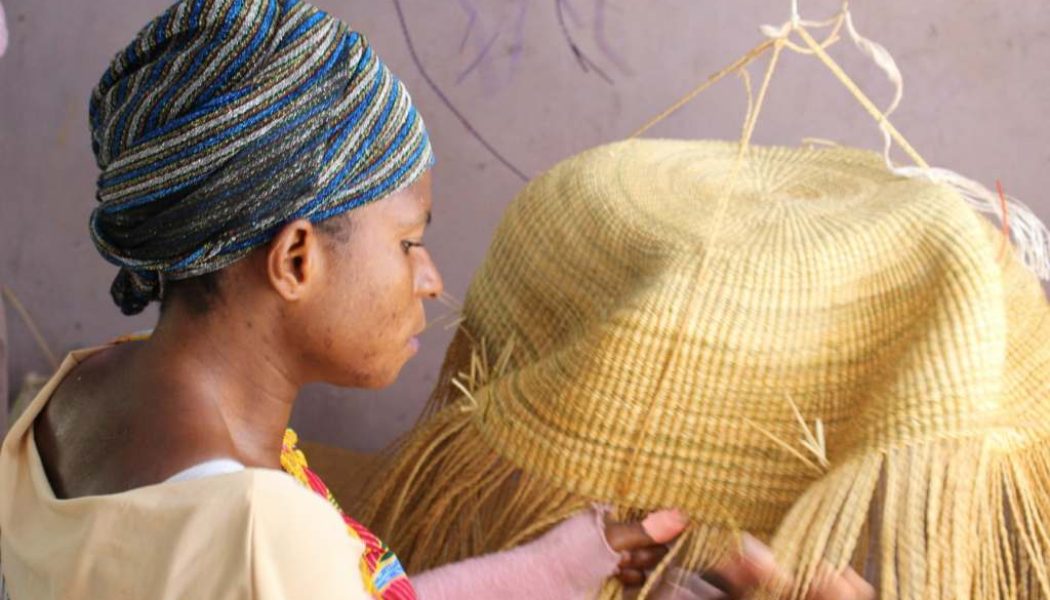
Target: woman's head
[
  {"x": 342, "y": 298},
  {"x": 223, "y": 123}
]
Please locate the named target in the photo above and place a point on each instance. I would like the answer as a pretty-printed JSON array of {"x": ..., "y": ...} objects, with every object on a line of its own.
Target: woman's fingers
[
  {"x": 864, "y": 589},
  {"x": 755, "y": 567},
  {"x": 665, "y": 525},
  {"x": 633, "y": 544},
  {"x": 847, "y": 585},
  {"x": 626, "y": 536},
  {"x": 679, "y": 584},
  {"x": 644, "y": 559},
  {"x": 631, "y": 577},
  {"x": 643, "y": 544},
  {"x": 642, "y": 547},
  {"x": 639, "y": 552}
]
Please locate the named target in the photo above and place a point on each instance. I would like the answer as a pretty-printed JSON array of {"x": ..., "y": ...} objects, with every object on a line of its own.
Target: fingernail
[
  {"x": 664, "y": 525},
  {"x": 680, "y": 517},
  {"x": 756, "y": 551}
]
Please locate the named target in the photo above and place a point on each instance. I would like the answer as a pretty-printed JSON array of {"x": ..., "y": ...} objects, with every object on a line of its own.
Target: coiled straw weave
[{"x": 836, "y": 359}]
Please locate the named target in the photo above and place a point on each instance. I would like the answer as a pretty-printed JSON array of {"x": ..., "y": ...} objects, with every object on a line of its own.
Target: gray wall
[{"x": 977, "y": 87}]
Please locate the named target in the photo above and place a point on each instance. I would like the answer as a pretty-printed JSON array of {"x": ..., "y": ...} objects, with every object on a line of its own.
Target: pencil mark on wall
[
  {"x": 478, "y": 59},
  {"x": 511, "y": 31},
  {"x": 601, "y": 8},
  {"x": 488, "y": 39},
  {"x": 444, "y": 97},
  {"x": 472, "y": 20},
  {"x": 562, "y": 7}
]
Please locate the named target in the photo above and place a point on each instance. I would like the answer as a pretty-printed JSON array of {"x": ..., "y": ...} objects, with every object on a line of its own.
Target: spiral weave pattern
[{"x": 798, "y": 344}]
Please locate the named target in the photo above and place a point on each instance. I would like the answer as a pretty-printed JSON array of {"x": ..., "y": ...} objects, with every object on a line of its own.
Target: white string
[
  {"x": 1028, "y": 234},
  {"x": 797, "y": 21},
  {"x": 884, "y": 60}
]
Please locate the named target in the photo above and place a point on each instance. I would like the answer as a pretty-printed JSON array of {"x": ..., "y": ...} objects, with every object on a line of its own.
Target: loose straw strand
[
  {"x": 750, "y": 121},
  {"x": 739, "y": 64},
  {"x": 34, "y": 330},
  {"x": 749, "y": 130},
  {"x": 862, "y": 98}
]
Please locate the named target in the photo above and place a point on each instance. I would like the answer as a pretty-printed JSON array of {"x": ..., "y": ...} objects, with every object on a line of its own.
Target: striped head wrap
[{"x": 225, "y": 120}]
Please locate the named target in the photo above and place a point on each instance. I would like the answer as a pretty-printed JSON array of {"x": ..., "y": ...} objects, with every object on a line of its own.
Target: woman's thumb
[{"x": 664, "y": 525}]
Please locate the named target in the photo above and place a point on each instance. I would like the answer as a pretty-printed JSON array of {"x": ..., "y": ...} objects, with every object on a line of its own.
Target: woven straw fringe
[
  {"x": 946, "y": 519},
  {"x": 441, "y": 506},
  {"x": 953, "y": 518}
]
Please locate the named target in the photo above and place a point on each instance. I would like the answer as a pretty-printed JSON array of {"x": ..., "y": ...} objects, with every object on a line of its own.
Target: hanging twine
[{"x": 1026, "y": 231}]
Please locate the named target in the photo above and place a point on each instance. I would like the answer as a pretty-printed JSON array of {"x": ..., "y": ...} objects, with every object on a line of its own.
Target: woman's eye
[{"x": 407, "y": 245}]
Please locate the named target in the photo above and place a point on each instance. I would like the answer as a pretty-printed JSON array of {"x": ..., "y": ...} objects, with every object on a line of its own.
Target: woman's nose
[{"x": 428, "y": 279}]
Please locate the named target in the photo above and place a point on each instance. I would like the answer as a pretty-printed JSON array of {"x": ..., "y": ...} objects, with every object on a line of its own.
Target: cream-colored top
[{"x": 254, "y": 534}]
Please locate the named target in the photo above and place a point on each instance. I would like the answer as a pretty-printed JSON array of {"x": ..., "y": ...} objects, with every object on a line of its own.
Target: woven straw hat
[{"x": 846, "y": 363}]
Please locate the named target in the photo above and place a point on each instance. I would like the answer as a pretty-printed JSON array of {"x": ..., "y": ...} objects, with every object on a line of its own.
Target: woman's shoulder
[
  {"x": 276, "y": 509},
  {"x": 299, "y": 543},
  {"x": 268, "y": 497},
  {"x": 292, "y": 542},
  {"x": 109, "y": 426},
  {"x": 256, "y": 530}
]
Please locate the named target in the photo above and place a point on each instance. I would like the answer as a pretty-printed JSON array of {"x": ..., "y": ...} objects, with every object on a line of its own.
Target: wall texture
[{"x": 977, "y": 88}]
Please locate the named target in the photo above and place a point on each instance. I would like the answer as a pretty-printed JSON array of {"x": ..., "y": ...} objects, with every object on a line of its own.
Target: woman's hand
[
  {"x": 643, "y": 545},
  {"x": 755, "y": 567}
]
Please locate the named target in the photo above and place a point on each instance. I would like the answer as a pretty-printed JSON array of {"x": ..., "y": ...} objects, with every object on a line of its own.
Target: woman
[{"x": 266, "y": 178}]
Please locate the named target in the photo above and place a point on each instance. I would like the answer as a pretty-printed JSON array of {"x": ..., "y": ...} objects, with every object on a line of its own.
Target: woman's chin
[
  {"x": 382, "y": 379},
  {"x": 378, "y": 376}
]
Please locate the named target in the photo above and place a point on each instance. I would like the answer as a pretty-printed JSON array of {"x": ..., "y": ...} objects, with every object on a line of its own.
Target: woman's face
[{"x": 374, "y": 275}]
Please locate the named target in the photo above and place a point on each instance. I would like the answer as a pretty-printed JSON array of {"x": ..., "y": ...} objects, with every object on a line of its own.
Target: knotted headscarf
[{"x": 226, "y": 119}]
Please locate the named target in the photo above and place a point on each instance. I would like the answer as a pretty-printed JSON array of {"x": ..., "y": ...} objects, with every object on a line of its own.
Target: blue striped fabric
[{"x": 225, "y": 119}]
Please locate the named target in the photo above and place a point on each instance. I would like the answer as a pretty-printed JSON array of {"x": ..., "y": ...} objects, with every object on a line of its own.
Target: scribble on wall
[
  {"x": 588, "y": 65},
  {"x": 488, "y": 23},
  {"x": 484, "y": 36},
  {"x": 433, "y": 85},
  {"x": 486, "y": 26}
]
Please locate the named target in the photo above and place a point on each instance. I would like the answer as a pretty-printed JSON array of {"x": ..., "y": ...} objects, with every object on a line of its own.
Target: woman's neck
[{"x": 232, "y": 372}]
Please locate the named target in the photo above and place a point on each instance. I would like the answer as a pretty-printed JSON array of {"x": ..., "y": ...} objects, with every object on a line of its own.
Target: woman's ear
[{"x": 294, "y": 260}]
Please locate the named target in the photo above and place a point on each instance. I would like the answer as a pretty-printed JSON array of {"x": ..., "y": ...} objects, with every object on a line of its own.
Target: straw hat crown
[
  {"x": 824, "y": 283},
  {"x": 798, "y": 344}
]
